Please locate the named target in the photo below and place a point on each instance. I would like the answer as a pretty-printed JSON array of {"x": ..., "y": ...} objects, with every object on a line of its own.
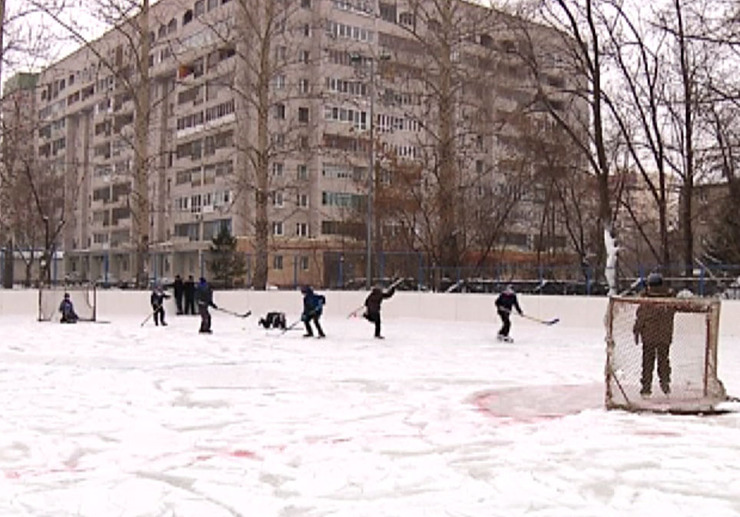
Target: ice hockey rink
[{"x": 439, "y": 419}]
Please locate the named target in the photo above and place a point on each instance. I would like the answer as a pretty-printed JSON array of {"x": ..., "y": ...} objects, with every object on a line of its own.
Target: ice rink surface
[{"x": 439, "y": 419}]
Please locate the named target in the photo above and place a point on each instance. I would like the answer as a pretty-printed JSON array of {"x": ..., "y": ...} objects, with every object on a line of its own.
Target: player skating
[
  {"x": 204, "y": 295},
  {"x": 157, "y": 302},
  {"x": 505, "y": 304},
  {"x": 313, "y": 306},
  {"x": 372, "y": 305}
]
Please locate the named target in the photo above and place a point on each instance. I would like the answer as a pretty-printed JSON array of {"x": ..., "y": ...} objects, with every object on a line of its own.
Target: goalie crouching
[{"x": 68, "y": 310}]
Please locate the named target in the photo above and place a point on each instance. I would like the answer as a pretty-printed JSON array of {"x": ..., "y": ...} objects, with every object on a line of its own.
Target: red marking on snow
[
  {"x": 653, "y": 432},
  {"x": 535, "y": 404},
  {"x": 244, "y": 454}
]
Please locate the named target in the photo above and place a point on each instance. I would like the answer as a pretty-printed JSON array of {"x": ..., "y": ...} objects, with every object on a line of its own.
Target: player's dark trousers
[
  {"x": 374, "y": 317},
  {"x": 205, "y": 318},
  {"x": 159, "y": 315},
  {"x": 651, "y": 352},
  {"x": 178, "y": 303},
  {"x": 189, "y": 305},
  {"x": 309, "y": 331},
  {"x": 506, "y": 323}
]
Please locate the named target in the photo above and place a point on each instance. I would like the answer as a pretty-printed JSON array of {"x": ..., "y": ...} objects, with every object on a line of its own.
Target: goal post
[
  {"x": 638, "y": 376},
  {"x": 83, "y": 297}
]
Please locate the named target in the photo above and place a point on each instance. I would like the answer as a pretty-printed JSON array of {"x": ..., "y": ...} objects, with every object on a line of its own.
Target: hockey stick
[
  {"x": 237, "y": 314},
  {"x": 150, "y": 315},
  {"x": 355, "y": 312},
  {"x": 544, "y": 322},
  {"x": 290, "y": 327},
  {"x": 393, "y": 285}
]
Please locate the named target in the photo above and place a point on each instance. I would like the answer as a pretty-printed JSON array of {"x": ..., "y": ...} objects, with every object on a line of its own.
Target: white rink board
[{"x": 573, "y": 311}]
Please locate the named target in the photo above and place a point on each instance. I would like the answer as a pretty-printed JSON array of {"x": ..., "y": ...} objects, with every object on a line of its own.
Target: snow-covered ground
[{"x": 439, "y": 419}]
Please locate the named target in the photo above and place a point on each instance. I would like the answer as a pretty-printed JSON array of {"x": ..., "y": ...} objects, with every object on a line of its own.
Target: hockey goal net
[
  {"x": 662, "y": 354},
  {"x": 83, "y": 298}
]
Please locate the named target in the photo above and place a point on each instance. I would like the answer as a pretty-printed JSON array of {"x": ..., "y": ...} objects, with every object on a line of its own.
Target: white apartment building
[{"x": 341, "y": 70}]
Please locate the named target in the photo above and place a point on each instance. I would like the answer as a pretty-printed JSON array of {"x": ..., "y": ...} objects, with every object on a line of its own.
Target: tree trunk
[
  {"x": 261, "y": 226},
  {"x": 141, "y": 215}
]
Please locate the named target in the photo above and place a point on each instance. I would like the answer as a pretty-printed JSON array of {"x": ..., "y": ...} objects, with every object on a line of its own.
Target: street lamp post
[{"x": 358, "y": 59}]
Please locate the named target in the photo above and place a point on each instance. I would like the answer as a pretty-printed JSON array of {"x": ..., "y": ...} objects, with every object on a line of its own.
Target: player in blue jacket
[
  {"x": 68, "y": 310},
  {"x": 313, "y": 305},
  {"x": 204, "y": 296},
  {"x": 505, "y": 304}
]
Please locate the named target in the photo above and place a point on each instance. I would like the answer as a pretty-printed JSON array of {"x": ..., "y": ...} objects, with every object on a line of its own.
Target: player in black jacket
[
  {"x": 505, "y": 303},
  {"x": 372, "y": 306},
  {"x": 157, "y": 300}
]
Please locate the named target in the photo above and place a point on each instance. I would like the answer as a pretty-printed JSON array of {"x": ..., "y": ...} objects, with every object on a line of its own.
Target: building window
[
  {"x": 304, "y": 86},
  {"x": 279, "y": 82},
  {"x": 302, "y": 200},
  {"x": 277, "y": 262},
  {"x": 303, "y": 115},
  {"x": 305, "y": 56},
  {"x": 187, "y": 17},
  {"x": 280, "y": 111},
  {"x": 277, "y": 169},
  {"x": 303, "y": 263},
  {"x": 307, "y": 30},
  {"x": 200, "y": 7},
  {"x": 277, "y": 199},
  {"x": 306, "y": 4},
  {"x": 301, "y": 230},
  {"x": 302, "y": 171},
  {"x": 277, "y": 228}
]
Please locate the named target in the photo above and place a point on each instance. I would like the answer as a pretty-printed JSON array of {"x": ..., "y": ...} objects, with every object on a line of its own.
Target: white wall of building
[{"x": 573, "y": 311}]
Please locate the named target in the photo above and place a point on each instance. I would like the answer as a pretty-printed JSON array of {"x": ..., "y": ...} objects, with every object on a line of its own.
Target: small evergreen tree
[{"x": 226, "y": 264}]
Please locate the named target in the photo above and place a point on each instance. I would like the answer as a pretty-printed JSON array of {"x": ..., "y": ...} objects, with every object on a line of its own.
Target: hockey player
[
  {"x": 179, "y": 288},
  {"x": 372, "y": 306},
  {"x": 505, "y": 304},
  {"x": 157, "y": 301},
  {"x": 68, "y": 310},
  {"x": 274, "y": 320},
  {"x": 654, "y": 325},
  {"x": 313, "y": 306},
  {"x": 204, "y": 295}
]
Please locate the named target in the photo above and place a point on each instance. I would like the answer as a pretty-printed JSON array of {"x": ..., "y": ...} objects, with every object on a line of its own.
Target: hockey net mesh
[
  {"x": 692, "y": 384},
  {"x": 83, "y": 298}
]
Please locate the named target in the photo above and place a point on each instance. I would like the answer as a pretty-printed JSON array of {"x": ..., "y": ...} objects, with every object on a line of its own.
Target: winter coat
[
  {"x": 654, "y": 323},
  {"x": 179, "y": 287},
  {"x": 157, "y": 299},
  {"x": 313, "y": 304},
  {"x": 68, "y": 311},
  {"x": 507, "y": 301},
  {"x": 204, "y": 295},
  {"x": 375, "y": 299}
]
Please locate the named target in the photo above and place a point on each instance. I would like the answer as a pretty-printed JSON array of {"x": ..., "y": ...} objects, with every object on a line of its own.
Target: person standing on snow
[
  {"x": 179, "y": 288},
  {"x": 313, "y": 306},
  {"x": 204, "y": 295},
  {"x": 505, "y": 304},
  {"x": 157, "y": 301},
  {"x": 188, "y": 289},
  {"x": 654, "y": 325},
  {"x": 372, "y": 306}
]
